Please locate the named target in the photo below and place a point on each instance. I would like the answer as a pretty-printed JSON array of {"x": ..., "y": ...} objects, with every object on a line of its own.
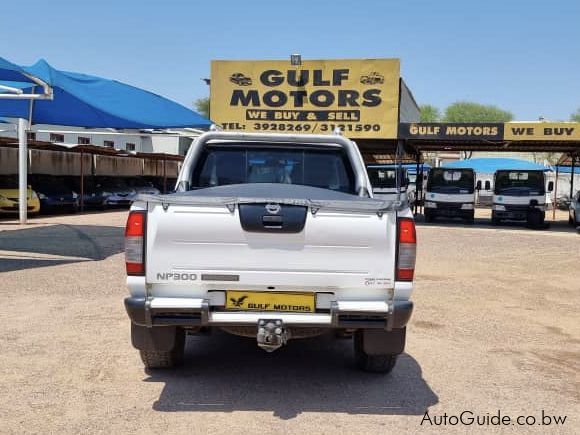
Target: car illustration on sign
[
  {"x": 240, "y": 79},
  {"x": 374, "y": 78}
]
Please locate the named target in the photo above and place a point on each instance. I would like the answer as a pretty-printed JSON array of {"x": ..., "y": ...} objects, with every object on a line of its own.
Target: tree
[
  {"x": 429, "y": 113},
  {"x": 465, "y": 111},
  {"x": 575, "y": 116},
  {"x": 202, "y": 106}
]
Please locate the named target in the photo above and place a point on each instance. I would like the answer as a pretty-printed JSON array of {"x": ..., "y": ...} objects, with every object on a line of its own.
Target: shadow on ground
[
  {"x": 29, "y": 247},
  {"x": 223, "y": 373}
]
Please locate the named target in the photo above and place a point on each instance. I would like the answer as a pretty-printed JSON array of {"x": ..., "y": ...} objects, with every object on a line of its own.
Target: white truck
[
  {"x": 385, "y": 185},
  {"x": 520, "y": 195},
  {"x": 275, "y": 237},
  {"x": 450, "y": 192}
]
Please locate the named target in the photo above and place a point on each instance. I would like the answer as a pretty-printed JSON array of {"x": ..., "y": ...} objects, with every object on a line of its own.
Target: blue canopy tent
[
  {"x": 81, "y": 100},
  {"x": 87, "y": 101}
]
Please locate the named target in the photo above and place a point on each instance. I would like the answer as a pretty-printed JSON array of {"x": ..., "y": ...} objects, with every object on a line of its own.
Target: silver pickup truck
[{"x": 275, "y": 237}]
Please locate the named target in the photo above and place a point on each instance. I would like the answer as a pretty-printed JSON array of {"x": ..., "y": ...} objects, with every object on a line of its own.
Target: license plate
[{"x": 270, "y": 301}]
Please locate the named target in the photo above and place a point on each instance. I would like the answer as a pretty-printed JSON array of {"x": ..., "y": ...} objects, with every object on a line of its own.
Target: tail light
[
  {"x": 407, "y": 249},
  {"x": 135, "y": 243}
]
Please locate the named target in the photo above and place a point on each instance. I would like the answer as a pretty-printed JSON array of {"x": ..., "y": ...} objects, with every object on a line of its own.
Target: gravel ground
[{"x": 495, "y": 327}]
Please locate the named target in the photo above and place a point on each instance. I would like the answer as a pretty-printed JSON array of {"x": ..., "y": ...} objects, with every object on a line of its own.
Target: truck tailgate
[{"x": 206, "y": 246}]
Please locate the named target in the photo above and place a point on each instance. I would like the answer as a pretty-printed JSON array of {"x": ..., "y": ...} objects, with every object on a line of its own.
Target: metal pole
[
  {"x": 82, "y": 182},
  {"x": 164, "y": 177},
  {"x": 416, "y": 206},
  {"x": 555, "y": 195},
  {"x": 22, "y": 170},
  {"x": 420, "y": 188},
  {"x": 398, "y": 168},
  {"x": 572, "y": 178}
]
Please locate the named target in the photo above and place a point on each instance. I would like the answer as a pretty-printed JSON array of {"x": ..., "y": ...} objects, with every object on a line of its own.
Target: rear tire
[
  {"x": 155, "y": 359},
  {"x": 382, "y": 363}
]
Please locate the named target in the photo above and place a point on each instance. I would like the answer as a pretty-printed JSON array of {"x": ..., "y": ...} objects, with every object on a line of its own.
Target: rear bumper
[
  {"x": 520, "y": 213},
  {"x": 189, "y": 312},
  {"x": 451, "y": 210}
]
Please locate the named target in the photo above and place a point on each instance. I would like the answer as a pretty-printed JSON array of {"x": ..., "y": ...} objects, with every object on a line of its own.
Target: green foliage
[
  {"x": 575, "y": 116},
  {"x": 429, "y": 113},
  {"x": 465, "y": 111},
  {"x": 202, "y": 106}
]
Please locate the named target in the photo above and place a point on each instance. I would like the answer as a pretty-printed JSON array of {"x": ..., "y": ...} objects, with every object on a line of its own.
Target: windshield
[
  {"x": 384, "y": 178},
  {"x": 327, "y": 169},
  {"x": 519, "y": 183},
  {"x": 450, "y": 181}
]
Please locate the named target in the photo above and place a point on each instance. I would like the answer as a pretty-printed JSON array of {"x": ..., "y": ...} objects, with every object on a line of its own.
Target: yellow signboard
[
  {"x": 542, "y": 131},
  {"x": 361, "y": 97}
]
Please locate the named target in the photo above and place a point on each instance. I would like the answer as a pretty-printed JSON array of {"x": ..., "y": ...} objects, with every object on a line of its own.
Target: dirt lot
[{"x": 496, "y": 327}]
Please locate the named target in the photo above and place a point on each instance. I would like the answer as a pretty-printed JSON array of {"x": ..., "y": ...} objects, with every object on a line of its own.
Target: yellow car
[{"x": 9, "y": 196}]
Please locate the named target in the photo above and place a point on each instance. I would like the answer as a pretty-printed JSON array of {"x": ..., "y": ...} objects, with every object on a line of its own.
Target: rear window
[
  {"x": 384, "y": 177},
  {"x": 326, "y": 169}
]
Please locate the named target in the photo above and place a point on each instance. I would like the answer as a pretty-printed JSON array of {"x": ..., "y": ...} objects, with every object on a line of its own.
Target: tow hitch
[{"x": 271, "y": 334}]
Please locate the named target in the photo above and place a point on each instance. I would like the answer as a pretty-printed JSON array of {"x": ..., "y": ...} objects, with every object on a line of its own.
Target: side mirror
[
  {"x": 478, "y": 185},
  {"x": 550, "y": 186},
  {"x": 487, "y": 185}
]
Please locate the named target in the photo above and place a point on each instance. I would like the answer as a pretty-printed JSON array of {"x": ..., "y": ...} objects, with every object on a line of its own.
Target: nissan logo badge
[{"x": 273, "y": 208}]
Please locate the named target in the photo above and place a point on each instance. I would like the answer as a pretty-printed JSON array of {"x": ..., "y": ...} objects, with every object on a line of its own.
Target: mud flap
[
  {"x": 159, "y": 338},
  {"x": 381, "y": 342}
]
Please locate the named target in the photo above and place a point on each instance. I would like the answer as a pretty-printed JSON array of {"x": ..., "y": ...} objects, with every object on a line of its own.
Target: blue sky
[{"x": 522, "y": 55}]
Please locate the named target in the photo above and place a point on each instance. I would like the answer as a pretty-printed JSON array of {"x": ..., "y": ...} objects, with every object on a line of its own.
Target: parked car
[
  {"x": 274, "y": 237},
  {"x": 9, "y": 196},
  {"x": 574, "y": 218},
  {"x": 141, "y": 186},
  {"x": 54, "y": 195},
  {"x": 158, "y": 183},
  {"x": 116, "y": 190},
  {"x": 94, "y": 196}
]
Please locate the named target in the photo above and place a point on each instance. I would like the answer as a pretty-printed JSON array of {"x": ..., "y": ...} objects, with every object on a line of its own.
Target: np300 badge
[{"x": 177, "y": 276}]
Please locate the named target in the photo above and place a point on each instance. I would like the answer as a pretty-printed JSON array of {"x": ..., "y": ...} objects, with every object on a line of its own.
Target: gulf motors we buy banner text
[{"x": 358, "y": 96}]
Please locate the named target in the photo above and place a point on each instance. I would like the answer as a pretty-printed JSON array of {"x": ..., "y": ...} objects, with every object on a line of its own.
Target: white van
[{"x": 383, "y": 179}]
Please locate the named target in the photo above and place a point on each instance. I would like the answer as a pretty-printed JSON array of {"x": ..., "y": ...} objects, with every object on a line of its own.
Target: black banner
[{"x": 452, "y": 131}]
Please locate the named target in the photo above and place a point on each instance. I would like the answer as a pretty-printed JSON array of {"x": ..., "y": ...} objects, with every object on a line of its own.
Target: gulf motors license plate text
[{"x": 270, "y": 301}]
